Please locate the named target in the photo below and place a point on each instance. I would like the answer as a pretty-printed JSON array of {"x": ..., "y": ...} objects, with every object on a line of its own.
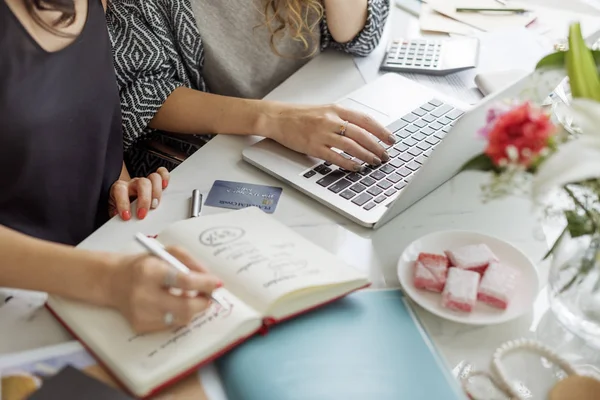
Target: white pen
[{"x": 157, "y": 250}]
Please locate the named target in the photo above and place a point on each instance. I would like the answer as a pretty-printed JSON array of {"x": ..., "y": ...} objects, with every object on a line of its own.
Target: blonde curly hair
[{"x": 294, "y": 18}]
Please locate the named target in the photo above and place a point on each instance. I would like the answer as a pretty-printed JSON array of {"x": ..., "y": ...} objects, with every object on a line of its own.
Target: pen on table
[
  {"x": 500, "y": 10},
  {"x": 196, "y": 207},
  {"x": 157, "y": 250}
]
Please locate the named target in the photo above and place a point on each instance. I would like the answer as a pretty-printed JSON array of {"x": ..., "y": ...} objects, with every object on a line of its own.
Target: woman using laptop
[
  {"x": 61, "y": 157},
  {"x": 198, "y": 66}
]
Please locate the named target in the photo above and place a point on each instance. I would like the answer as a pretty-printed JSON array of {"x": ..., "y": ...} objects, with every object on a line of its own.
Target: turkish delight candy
[
  {"x": 437, "y": 263},
  {"x": 460, "y": 291},
  {"x": 474, "y": 257},
  {"x": 497, "y": 285},
  {"x": 430, "y": 272}
]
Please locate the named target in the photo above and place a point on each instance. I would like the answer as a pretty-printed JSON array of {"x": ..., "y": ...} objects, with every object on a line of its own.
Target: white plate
[{"x": 520, "y": 303}]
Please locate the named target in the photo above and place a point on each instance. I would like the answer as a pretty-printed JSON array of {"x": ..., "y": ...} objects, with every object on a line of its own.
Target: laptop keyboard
[{"x": 417, "y": 133}]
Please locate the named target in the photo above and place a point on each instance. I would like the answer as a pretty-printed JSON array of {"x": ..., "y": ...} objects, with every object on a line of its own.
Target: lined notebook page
[{"x": 258, "y": 258}]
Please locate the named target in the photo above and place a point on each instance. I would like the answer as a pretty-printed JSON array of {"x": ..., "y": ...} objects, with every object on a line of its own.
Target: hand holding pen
[
  {"x": 165, "y": 288},
  {"x": 178, "y": 270},
  {"x": 140, "y": 287}
]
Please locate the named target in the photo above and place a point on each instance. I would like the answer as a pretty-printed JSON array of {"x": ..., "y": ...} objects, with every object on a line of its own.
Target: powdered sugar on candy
[
  {"x": 460, "y": 291},
  {"x": 430, "y": 272},
  {"x": 475, "y": 257},
  {"x": 497, "y": 285}
]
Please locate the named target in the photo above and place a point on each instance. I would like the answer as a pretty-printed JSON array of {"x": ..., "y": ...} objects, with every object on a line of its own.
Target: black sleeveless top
[{"x": 60, "y": 130}]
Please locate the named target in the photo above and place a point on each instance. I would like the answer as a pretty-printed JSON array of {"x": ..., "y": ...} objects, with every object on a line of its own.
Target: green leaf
[
  {"x": 569, "y": 284},
  {"x": 578, "y": 224},
  {"x": 557, "y": 60},
  {"x": 554, "y": 60},
  {"x": 556, "y": 243},
  {"x": 581, "y": 68},
  {"x": 480, "y": 162}
]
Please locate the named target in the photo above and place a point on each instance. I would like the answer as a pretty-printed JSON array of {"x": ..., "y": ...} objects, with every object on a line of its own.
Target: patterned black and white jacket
[{"x": 157, "y": 48}]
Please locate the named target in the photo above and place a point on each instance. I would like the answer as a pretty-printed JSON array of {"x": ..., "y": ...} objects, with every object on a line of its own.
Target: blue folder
[{"x": 365, "y": 346}]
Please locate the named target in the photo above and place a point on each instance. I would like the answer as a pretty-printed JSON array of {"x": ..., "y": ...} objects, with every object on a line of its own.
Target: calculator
[{"x": 431, "y": 56}]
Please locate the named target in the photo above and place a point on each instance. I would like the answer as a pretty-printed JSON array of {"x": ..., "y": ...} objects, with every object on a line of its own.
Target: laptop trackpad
[{"x": 355, "y": 105}]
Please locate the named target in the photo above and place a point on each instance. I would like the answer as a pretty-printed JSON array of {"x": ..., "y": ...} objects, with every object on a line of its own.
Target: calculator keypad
[{"x": 418, "y": 54}]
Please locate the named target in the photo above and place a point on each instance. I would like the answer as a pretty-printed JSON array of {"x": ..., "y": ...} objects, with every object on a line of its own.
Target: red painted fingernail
[
  {"x": 126, "y": 215},
  {"x": 219, "y": 284},
  {"x": 165, "y": 184},
  {"x": 142, "y": 213}
]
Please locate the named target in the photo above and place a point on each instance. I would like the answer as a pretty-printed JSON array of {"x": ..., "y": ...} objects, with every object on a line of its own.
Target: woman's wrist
[
  {"x": 191, "y": 111},
  {"x": 97, "y": 283},
  {"x": 266, "y": 119}
]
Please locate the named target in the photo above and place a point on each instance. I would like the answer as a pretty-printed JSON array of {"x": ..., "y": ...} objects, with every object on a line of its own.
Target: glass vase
[
  {"x": 561, "y": 107},
  {"x": 574, "y": 286}
]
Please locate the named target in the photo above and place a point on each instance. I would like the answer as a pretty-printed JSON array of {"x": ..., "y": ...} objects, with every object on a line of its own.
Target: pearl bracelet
[
  {"x": 530, "y": 345},
  {"x": 503, "y": 382}
]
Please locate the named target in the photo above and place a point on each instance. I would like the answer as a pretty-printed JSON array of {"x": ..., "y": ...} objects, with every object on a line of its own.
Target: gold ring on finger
[{"x": 343, "y": 128}]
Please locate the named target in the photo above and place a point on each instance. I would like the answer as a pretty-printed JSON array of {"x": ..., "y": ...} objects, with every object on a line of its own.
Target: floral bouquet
[{"x": 527, "y": 151}]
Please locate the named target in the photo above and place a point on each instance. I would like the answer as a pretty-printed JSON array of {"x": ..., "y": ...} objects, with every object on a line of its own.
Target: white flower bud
[{"x": 512, "y": 153}]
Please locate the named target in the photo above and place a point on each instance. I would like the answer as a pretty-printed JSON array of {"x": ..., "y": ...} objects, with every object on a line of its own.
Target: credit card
[{"x": 237, "y": 195}]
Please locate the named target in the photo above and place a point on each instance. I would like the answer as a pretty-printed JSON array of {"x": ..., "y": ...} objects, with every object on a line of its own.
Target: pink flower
[{"x": 519, "y": 134}]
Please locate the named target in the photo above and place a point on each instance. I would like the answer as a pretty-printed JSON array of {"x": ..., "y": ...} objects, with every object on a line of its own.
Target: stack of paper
[
  {"x": 554, "y": 23},
  {"x": 441, "y": 16},
  {"x": 432, "y": 21},
  {"x": 485, "y": 21}
]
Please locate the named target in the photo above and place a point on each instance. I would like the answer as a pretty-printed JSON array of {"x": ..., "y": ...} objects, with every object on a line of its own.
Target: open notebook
[{"x": 270, "y": 273}]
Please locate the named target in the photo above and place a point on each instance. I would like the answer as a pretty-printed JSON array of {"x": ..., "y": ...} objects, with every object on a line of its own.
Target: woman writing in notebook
[
  {"x": 238, "y": 50},
  {"x": 63, "y": 174}
]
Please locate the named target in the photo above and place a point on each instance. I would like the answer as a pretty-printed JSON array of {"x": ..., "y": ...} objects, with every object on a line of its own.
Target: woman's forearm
[
  {"x": 33, "y": 264},
  {"x": 196, "y": 112},
  {"x": 345, "y": 18}
]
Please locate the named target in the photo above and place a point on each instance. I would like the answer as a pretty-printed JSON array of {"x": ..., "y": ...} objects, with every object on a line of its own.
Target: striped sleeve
[
  {"x": 367, "y": 39},
  {"x": 146, "y": 73}
]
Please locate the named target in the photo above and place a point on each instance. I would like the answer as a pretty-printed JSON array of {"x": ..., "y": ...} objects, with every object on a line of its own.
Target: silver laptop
[{"x": 435, "y": 137}]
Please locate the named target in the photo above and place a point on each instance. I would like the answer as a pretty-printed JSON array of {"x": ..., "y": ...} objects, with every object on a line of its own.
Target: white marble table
[{"x": 455, "y": 205}]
